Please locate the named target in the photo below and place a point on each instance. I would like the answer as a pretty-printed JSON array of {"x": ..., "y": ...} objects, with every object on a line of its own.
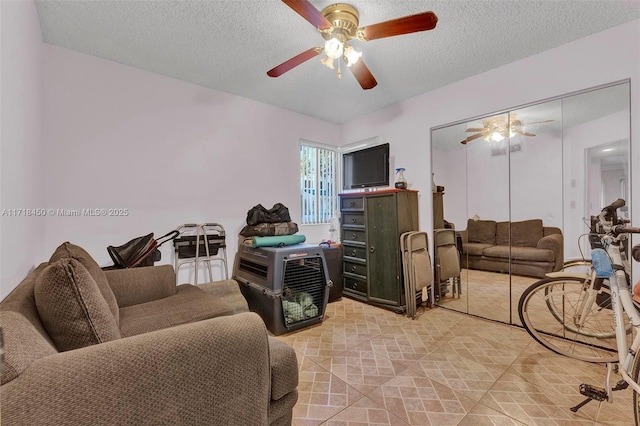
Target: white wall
[
  {"x": 172, "y": 152},
  {"x": 565, "y": 69},
  {"x": 168, "y": 151},
  {"x": 21, "y": 144}
]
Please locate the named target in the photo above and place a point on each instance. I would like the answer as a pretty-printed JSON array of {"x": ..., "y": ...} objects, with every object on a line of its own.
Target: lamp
[
  {"x": 327, "y": 62},
  {"x": 351, "y": 54},
  {"x": 496, "y": 136},
  {"x": 333, "y": 48}
]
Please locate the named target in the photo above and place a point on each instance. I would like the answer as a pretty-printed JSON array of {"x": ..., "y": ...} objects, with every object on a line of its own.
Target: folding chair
[
  {"x": 418, "y": 275},
  {"x": 447, "y": 260}
]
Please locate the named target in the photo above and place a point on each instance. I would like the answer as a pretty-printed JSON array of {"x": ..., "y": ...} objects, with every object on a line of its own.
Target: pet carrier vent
[{"x": 254, "y": 268}]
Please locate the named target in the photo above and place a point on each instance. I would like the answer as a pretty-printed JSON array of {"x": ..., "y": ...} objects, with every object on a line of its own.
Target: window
[{"x": 318, "y": 182}]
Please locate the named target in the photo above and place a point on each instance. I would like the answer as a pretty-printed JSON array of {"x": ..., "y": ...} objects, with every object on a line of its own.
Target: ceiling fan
[
  {"x": 338, "y": 24},
  {"x": 498, "y": 128}
]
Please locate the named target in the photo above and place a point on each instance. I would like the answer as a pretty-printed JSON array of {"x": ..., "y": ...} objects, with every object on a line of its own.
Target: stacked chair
[
  {"x": 418, "y": 275},
  {"x": 447, "y": 261}
]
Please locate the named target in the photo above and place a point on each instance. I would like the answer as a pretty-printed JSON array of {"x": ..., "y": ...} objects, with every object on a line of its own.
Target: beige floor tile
[
  {"x": 321, "y": 395},
  {"x": 365, "y": 412},
  {"x": 418, "y": 400},
  {"x": 481, "y": 415},
  {"x": 363, "y": 368},
  {"x": 369, "y": 366}
]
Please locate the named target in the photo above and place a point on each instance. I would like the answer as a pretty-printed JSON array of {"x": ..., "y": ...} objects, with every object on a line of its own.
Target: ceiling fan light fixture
[
  {"x": 333, "y": 48},
  {"x": 328, "y": 62},
  {"x": 351, "y": 55},
  {"x": 496, "y": 136}
]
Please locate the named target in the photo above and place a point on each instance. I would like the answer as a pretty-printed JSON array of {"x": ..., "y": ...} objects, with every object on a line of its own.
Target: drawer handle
[
  {"x": 354, "y": 236},
  {"x": 372, "y": 249},
  {"x": 353, "y": 268},
  {"x": 351, "y": 204},
  {"x": 353, "y": 252},
  {"x": 354, "y": 286},
  {"x": 353, "y": 220}
]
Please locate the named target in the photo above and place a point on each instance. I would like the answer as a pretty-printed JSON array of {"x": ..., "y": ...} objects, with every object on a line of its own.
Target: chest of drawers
[{"x": 372, "y": 223}]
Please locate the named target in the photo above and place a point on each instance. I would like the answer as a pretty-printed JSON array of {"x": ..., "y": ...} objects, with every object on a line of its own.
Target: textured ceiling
[{"x": 230, "y": 45}]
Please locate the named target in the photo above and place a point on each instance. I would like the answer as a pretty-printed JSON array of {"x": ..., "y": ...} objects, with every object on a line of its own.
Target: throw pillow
[
  {"x": 481, "y": 231},
  {"x": 66, "y": 250},
  {"x": 526, "y": 233},
  {"x": 72, "y": 309},
  {"x": 503, "y": 229}
]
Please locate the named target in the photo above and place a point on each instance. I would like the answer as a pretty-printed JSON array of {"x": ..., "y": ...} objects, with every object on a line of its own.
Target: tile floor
[{"x": 369, "y": 366}]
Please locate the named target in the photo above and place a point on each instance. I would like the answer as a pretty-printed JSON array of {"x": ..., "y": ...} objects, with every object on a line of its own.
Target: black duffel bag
[{"x": 259, "y": 214}]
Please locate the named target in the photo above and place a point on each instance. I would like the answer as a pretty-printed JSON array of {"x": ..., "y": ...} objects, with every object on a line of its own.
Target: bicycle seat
[{"x": 635, "y": 252}]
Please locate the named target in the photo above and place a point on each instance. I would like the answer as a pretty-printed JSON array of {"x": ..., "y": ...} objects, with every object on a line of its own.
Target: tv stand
[{"x": 372, "y": 223}]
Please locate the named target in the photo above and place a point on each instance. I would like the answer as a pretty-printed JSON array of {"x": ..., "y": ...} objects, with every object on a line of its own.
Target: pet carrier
[{"x": 287, "y": 286}]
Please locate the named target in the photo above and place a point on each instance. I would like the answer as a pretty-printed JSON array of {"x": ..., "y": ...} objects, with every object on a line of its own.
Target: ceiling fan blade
[
  {"x": 537, "y": 122},
  {"x": 363, "y": 75},
  {"x": 520, "y": 132},
  {"x": 470, "y": 138},
  {"x": 294, "y": 62},
  {"x": 308, "y": 12},
  {"x": 476, "y": 129},
  {"x": 408, "y": 24}
]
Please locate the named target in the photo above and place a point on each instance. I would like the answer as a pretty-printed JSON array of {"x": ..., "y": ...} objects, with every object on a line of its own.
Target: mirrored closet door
[{"x": 518, "y": 188}]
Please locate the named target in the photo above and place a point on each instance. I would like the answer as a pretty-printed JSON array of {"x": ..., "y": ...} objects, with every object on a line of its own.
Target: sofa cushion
[
  {"x": 475, "y": 249},
  {"x": 23, "y": 344},
  {"x": 502, "y": 233},
  {"x": 284, "y": 368},
  {"x": 519, "y": 254},
  {"x": 481, "y": 231},
  {"x": 189, "y": 304},
  {"x": 66, "y": 250},
  {"x": 71, "y": 306},
  {"x": 526, "y": 233}
]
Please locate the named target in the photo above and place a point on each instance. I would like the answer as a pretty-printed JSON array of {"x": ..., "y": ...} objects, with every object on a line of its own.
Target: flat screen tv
[{"x": 366, "y": 168}]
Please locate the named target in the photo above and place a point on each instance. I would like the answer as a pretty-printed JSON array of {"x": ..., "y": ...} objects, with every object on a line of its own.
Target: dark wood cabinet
[{"x": 372, "y": 223}]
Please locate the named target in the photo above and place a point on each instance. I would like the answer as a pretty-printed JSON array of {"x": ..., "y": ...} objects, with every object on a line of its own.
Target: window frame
[{"x": 337, "y": 184}]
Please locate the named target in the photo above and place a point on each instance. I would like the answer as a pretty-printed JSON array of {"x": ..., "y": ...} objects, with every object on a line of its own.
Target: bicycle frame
[
  {"x": 621, "y": 304},
  {"x": 618, "y": 270}
]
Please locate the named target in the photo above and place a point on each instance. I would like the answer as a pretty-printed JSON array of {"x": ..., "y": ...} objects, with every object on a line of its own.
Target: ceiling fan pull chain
[{"x": 339, "y": 71}]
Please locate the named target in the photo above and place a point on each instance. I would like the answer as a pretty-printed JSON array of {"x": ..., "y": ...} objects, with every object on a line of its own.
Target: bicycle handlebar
[
  {"x": 619, "y": 229},
  {"x": 608, "y": 223},
  {"x": 616, "y": 204}
]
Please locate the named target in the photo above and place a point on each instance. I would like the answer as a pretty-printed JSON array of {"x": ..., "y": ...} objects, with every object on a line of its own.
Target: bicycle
[{"x": 592, "y": 316}]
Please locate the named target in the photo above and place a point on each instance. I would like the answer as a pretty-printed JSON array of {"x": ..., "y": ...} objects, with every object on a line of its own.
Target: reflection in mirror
[
  {"x": 596, "y": 134},
  {"x": 536, "y": 198},
  {"x": 487, "y": 205},
  {"x": 533, "y": 173}
]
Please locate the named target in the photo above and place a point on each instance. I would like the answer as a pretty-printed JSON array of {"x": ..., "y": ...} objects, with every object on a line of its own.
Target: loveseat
[
  {"x": 85, "y": 346},
  {"x": 533, "y": 249}
]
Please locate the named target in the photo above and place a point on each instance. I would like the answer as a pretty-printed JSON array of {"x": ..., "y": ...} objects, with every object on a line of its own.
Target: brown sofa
[
  {"x": 86, "y": 346},
  {"x": 530, "y": 248}
]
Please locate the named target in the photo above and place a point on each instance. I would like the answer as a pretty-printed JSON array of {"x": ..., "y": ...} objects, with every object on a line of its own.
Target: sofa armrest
[
  {"x": 133, "y": 286},
  {"x": 209, "y": 372},
  {"x": 554, "y": 242},
  {"x": 464, "y": 236}
]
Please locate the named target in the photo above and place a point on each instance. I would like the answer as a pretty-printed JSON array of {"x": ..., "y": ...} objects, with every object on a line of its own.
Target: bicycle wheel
[
  {"x": 635, "y": 375},
  {"x": 549, "y": 311}
]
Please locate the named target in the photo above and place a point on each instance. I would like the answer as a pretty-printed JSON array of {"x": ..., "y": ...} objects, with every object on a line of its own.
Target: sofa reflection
[{"x": 525, "y": 247}]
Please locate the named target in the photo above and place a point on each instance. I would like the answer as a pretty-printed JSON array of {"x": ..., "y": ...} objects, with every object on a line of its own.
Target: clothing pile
[
  {"x": 299, "y": 307},
  {"x": 265, "y": 223}
]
